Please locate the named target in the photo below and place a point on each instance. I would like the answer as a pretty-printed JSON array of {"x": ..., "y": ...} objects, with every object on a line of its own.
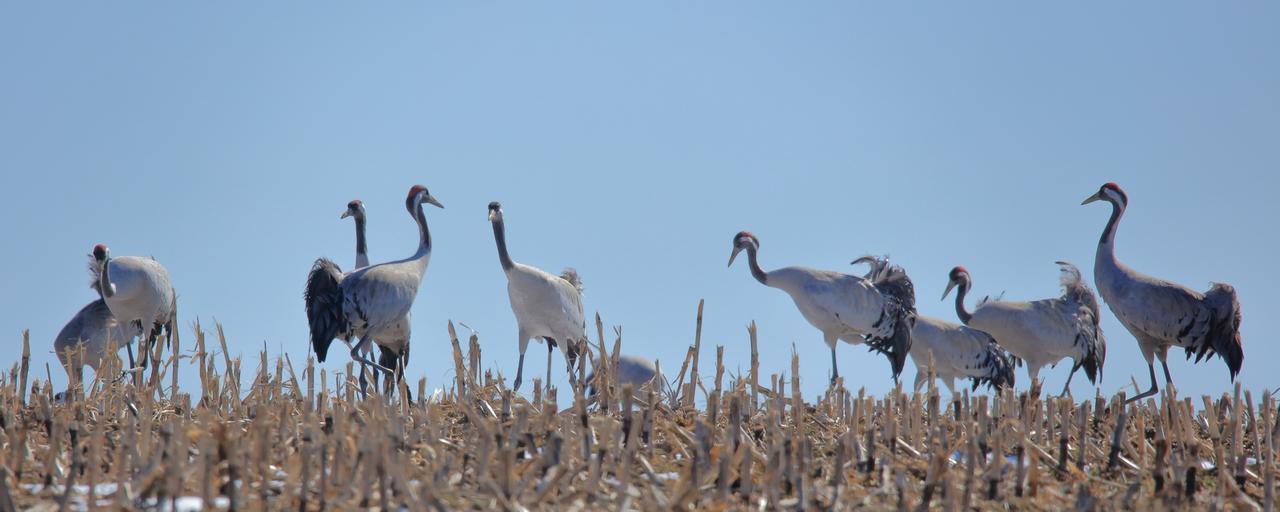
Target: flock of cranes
[{"x": 370, "y": 306}]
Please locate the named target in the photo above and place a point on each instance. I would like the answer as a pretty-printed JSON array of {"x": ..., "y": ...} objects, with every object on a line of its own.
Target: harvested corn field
[{"x": 301, "y": 438}]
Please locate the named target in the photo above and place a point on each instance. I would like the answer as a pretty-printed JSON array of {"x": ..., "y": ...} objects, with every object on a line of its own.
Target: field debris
[{"x": 286, "y": 437}]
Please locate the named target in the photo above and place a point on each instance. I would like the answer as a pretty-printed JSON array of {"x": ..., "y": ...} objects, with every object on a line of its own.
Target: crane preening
[
  {"x": 138, "y": 293},
  {"x": 879, "y": 310},
  {"x": 1041, "y": 332},
  {"x": 367, "y": 303},
  {"x": 547, "y": 307},
  {"x": 1160, "y": 313}
]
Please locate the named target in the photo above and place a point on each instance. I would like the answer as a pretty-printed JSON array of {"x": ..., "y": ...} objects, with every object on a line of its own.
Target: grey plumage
[
  {"x": 370, "y": 302},
  {"x": 900, "y": 309},
  {"x": 1041, "y": 332},
  {"x": 634, "y": 370},
  {"x": 84, "y": 340},
  {"x": 878, "y": 310},
  {"x": 1161, "y": 313},
  {"x": 958, "y": 351}
]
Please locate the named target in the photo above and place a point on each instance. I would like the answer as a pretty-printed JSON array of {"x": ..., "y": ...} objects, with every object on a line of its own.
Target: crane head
[
  {"x": 418, "y": 195},
  {"x": 958, "y": 276},
  {"x": 495, "y": 211},
  {"x": 1109, "y": 192},
  {"x": 743, "y": 240},
  {"x": 354, "y": 209},
  {"x": 101, "y": 252}
]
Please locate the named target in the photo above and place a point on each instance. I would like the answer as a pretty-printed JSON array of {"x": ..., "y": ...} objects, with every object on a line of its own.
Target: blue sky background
[{"x": 632, "y": 141}]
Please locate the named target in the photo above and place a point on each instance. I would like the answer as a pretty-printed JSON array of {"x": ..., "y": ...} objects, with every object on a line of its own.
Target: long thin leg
[
  {"x": 1155, "y": 388},
  {"x": 1066, "y": 388},
  {"x": 551, "y": 347},
  {"x": 519, "y": 373},
  {"x": 835, "y": 371},
  {"x": 1167, "y": 379}
]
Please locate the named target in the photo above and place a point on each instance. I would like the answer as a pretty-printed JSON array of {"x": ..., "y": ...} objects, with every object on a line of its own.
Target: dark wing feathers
[
  {"x": 999, "y": 365},
  {"x": 323, "y": 298},
  {"x": 1224, "y": 328},
  {"x": 900, "y": 309}
]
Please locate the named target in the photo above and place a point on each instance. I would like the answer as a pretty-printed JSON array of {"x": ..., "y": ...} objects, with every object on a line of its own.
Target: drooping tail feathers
[
  {"x": 323, "y": 298},
  {"x": 570, "y": 274},
  {"x": 900, "y": 310},
  {"x": 999, "y": 365},
  {"x": 1075, "y": 288},
  {"x": 1076, "y": 293},
  {"x": 1223, "y": 337}
]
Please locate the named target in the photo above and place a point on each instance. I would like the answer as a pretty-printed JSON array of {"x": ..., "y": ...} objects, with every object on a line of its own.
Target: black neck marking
[
  {"x": 361, "y": 248},
  {"x": 960, "y": 295},
  {"x": 500, "y": 236},
  {"x": 756, "y": 271}
]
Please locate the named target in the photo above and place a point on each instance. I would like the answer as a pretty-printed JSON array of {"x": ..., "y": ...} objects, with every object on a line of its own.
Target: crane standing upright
[
  {"x": 393, "y": 345},
  {"x": 367, "y": 303},
  {"x": 879, "y": 311},
  {"x": 1162, "y": 314},
  {"x": 547, "y": 307}
]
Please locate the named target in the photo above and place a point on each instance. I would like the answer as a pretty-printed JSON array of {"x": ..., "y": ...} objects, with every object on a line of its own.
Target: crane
[
  {"x": 879, "y": 311},
  {"x": 393, "y": 347},
  {"x": 1041, "y": 332},
  {"x": 1162, "y": 314},
  {"x": 139, "y": 294},
  {"x": 957, "y": 351},
  {"x": 547, "y": 307},
  {"x": 369, "y": 302}
]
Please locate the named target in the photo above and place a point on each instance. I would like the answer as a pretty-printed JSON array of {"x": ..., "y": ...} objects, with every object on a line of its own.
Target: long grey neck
[
  {"x": 1107, "y": 243},
  {"x": 756, "y": 271},
  {"x": 104, "y": 280},
  {"x": 500, "y": 237},
  {"x": 362, "y": 251},
  {"x": 961, "y": 312},
  {"x": 424, "y": 234}
]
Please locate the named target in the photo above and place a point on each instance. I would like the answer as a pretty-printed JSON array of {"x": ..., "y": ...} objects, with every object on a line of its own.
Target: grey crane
[
  {"x": 634, "y": 370},
  {"x": 367, "y": 303},
  {"x": 878, "y": 311},
  {"x": 1160, "y": 313},
  {"x": 547, "y": 307},
  {"x": 957, "y": 351},
  {"x": 393, "y": 346},
  {"x": 1041, "y": 332},
  {"x": 85, "y": 340},
  {"x": 139, "y": 294}
]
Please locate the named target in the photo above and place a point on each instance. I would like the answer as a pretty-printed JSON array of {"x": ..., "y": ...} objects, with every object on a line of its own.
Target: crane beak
[
  {"x": 431, "y": 200},
  {"x": 345, "y": 214},
  {"x": 950, "y": 285},
  {"x": 1091, "y": 199},
  {"x": 736, "y": 250}
]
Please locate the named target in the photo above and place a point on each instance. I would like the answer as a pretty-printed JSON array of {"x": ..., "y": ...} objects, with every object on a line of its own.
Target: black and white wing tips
[
  {"x": 1223, "y": 336},
  {"x": 899, "y": 311},
  {"x": 324, "y": 305},
  {"x": 998, "y": 366},
  {"x": 1089, "y": 338}
]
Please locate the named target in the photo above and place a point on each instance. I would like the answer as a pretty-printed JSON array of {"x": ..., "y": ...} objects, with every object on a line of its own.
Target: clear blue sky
[{"x": 632, "y": 141}]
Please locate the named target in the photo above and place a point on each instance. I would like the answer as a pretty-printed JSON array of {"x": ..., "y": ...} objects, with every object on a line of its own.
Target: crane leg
[
  {"x": 1066, "y": 388},
  {"x": 1167, "y": 379},
  {"x": 515, "y": 386},
  {"x": 1155, "y": 388},
  {"x": 835, "y": 371},
  {"x": 551, "y": 346}
]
